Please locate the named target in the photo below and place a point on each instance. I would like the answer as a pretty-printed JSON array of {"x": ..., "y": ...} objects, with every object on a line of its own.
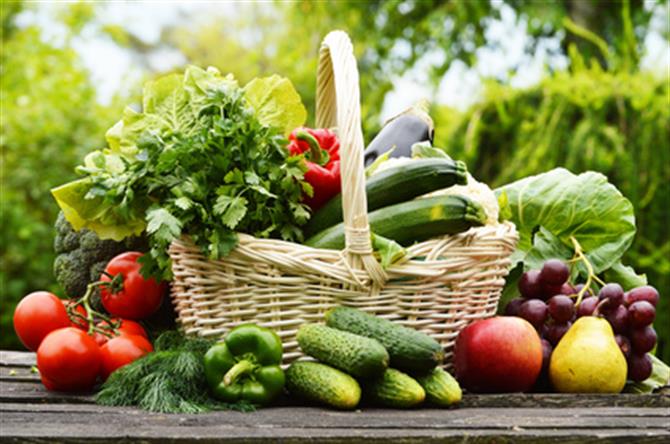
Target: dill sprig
[{"x": 169, "y": 380}]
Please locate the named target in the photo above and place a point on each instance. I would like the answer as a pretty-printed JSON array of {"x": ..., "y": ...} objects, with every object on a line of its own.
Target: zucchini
[
  {"x": 410, "y": 350},
  {"x": 394, "y": 389},
  {"x": 441, "y": 388},
  {"x": 413, "y": 221},
  {"x": 395, "y": 185},
  {"x": 359, "y": 356}
]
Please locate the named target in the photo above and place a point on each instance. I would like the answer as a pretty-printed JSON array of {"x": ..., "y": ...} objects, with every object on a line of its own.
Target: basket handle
[{"x": 338, "y": 105}]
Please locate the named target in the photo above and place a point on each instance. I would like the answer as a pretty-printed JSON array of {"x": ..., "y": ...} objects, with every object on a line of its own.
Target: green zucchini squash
[
  {"x": 395, "y": 185},
  {"x": 413, "y": 221}
]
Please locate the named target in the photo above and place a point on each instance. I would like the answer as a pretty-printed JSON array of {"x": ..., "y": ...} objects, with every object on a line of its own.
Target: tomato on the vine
[
  {"x": 128, "y": 294},
  {"x": 122, "y": 350},
  {"x": 76, "y": 322},
  {"x": 37, "y": 315},
  {"x": 69, "y": 360},
  {"x": 127, "y": 327}
]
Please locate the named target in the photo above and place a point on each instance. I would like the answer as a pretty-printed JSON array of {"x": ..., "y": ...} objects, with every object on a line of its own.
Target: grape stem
[{"x": 591, "y": 276}]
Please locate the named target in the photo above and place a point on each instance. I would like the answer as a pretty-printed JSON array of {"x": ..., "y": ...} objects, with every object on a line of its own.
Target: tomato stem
[{"x": 91, "y": 314}]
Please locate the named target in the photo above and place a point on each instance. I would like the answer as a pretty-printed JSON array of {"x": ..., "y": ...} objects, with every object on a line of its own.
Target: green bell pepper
[{"x": 245, "y": 367}]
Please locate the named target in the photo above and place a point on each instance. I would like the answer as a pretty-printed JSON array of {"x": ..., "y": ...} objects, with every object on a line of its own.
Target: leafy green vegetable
[
  {"x": 660, "y": 377},
  {"x": 425, "y": 150},
  {"x": 199, "y": 160},
  {"x": 169, "y": 380},
  {"x": 551, "y": 207},
  {"x": 276, "y": 102},
  {"x": 625, "y": 276}
]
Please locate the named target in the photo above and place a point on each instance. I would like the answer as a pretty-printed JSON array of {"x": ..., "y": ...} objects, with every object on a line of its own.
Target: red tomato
[
  {"x": 69, "y": 360},
  {"x": 139, "y": 297},
  {"x": 37, "y": 315},
  {"x": 79, "y": 323},
  {"x": 122, "y": 350},
  {"x": 127, "y": 327}
]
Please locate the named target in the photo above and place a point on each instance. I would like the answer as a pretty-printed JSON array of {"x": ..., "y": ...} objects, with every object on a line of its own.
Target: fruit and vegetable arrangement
[{"x": 208, "y": 160}]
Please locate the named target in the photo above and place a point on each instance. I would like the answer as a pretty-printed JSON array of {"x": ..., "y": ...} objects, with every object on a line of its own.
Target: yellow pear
[{"x": 588, "y": 360}]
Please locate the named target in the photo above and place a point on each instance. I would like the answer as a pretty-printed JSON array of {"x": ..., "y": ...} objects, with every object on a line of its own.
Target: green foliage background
[{"x": 602, "y": 114}]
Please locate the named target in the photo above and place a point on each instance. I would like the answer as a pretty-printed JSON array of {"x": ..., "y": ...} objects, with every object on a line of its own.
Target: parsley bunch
[{"x": 200, "y": 160}]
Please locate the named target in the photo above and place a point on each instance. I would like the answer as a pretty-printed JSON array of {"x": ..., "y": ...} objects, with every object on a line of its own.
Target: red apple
[{"x": 500, "y": 354}]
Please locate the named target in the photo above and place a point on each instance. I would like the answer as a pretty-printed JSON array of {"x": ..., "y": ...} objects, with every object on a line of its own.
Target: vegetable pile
[{"x": 206, "y": 159}]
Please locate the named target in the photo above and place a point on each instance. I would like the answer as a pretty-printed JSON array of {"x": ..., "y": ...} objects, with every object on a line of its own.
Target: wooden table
[{"x": 30, "y": 413}]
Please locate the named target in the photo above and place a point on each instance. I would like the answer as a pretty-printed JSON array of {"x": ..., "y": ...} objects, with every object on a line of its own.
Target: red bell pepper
[{"x": 322, "y": 150}]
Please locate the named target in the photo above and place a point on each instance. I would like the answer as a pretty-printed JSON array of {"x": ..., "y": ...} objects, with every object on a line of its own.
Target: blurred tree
[
  {"x": 391, "y": 37},
  {"x": 49, "y": 120}
]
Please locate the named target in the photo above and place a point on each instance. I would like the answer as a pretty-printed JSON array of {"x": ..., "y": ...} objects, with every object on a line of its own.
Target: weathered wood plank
[
  {"x": 17, "y": 358},
  {"x": 476, "y": 419},
  {"x": 29, "y": 389},
  {"x": 168, "y": 433},
  {"x": 14, "y": 374},
  {"x": 34, "y": 392},
  {"x": 386, "y": 414}
]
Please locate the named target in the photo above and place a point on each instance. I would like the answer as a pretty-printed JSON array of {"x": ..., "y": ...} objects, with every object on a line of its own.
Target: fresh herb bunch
[
  {"x": 205, "y": 158},
  {"x": 169, "y": 380}
]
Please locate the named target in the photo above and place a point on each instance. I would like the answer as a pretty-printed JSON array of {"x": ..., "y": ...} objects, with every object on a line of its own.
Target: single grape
[
  {"x": 639, "y": 367},
  {"x": 529, "y": 284},
  {"x": 643, "y": 339},
  {"x": 579, "y": 287},
  {"x": 549, "y": 290},
  {"x": 512, "y": 308},
  {"x": 561, "y": 308},
  {"x": 641, "y": 313},
  {"x": 555, "y": 272},
  {"x": 624, "y": 345},
  {"x": 534, "y": 311},
  {"x": 645, "y": 293},
  {"x": 618, "y": 319},
  {"x": 555, "y": 332},
  {"x": 547, "y": 349},
  {"x": 567, "y": 289},
  {"x": 587, "y": 306},
  {"x": 614, "y": 293}
]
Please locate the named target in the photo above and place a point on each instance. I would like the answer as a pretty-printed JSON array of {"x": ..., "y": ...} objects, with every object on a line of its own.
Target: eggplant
[{"x": 402, "y": 131}]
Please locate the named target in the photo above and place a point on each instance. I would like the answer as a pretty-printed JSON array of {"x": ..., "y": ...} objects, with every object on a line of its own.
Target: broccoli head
[{"x": 82, "y": 255}]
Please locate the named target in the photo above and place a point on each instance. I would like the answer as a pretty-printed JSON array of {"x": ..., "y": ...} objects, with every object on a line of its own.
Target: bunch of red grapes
[{"x": 548, "y": 302}]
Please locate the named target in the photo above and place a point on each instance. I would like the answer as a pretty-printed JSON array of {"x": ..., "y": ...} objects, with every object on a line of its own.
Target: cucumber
[
  {"x": 394, "y": 389},
  {"x": 410, "y": 350},
  {"x": 413, "y": 221},
  {"x": 441, "y": 388},
  {"x": 395, "y": 185},
  {"x": 357, "y": 355},
  {"x": 323, "y": 384}
]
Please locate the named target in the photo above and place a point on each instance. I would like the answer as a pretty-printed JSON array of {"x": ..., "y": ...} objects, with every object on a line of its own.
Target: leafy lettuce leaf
[
  {"x": 276, "y": 102},
  {"x": 551, "y": 207},
  {"x": 93, "y": 213}
]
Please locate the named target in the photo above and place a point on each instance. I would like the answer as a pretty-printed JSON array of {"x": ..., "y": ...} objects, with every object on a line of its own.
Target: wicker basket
[{"x": 442, "y": 285}]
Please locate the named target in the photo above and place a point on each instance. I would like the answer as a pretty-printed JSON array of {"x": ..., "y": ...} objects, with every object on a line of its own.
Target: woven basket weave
[{"x": 442, "y": 285}]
